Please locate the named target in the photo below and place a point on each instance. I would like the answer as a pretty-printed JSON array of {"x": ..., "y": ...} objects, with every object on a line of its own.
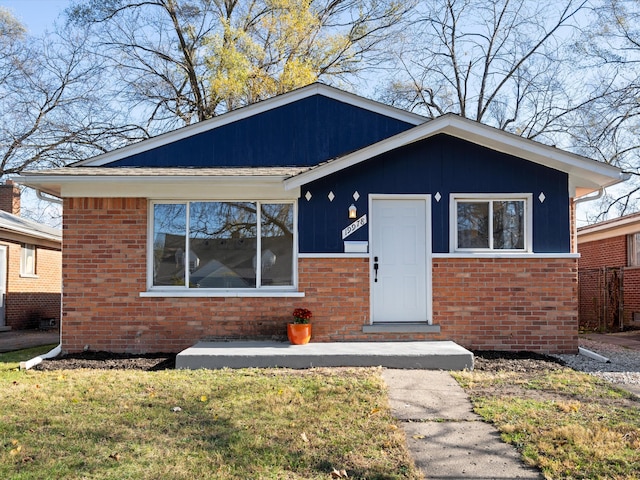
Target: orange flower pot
[{"x": 299, "y": 333}]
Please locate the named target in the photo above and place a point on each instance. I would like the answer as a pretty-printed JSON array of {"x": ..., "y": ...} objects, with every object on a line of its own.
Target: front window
[
  {"x": 490, "y": 224},
  {"x": 223, "y": 245}
]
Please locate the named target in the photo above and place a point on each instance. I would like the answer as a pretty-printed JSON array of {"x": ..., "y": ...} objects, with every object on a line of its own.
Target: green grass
[
  {"x": 11, "y": 360},
  {"x": 569, "y": 424},
  {"x": 228, "y": 424}
]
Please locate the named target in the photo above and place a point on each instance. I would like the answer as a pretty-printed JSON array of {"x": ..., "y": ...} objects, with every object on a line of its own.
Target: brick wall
[
  {"x": 10, "y": 197},
  {"x": 30, "y": 299},
  {"x": 511, "y": 304},
  {"x": 609, "y": 252},
  {"x": 507, "y": 304}
]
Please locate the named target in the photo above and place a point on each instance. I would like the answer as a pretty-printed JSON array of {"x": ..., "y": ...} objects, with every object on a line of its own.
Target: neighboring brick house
[
  {"x": 30, "y": 267},
  {"x": 610, "y": 273},
  {"x": 385, "y": 224}
]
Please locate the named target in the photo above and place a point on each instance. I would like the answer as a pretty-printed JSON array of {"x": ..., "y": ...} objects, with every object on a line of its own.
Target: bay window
[{"x": 223, "y": 245}]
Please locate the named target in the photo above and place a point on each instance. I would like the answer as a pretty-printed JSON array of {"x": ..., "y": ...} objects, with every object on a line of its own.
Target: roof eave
[
  {"x": 4, "y": 229},
  {"x": 583, "y": 172},
  {"x": 62, "y": 186}
]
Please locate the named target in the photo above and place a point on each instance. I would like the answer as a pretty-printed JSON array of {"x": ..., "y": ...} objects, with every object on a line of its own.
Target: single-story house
[
  {"x": 30, "y": 267},
  {"x": 386, "y": 225},
  {"x": 609, "y": 273}
]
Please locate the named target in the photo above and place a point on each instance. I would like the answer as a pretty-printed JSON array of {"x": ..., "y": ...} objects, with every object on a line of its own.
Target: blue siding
[
  {"x": 305, "y": 132},
  {"x": 440, "y": 164}
]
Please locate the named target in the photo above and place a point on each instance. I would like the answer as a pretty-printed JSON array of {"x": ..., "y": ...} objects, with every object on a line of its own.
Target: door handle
[{"x": 375, "y": 269}]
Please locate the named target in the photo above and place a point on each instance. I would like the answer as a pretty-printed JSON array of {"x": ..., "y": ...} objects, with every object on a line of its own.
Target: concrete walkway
[
  {"x": 18, "y": 339},
  {"x": 629, "y": 339},
  {"x": 445, "y": 437}
]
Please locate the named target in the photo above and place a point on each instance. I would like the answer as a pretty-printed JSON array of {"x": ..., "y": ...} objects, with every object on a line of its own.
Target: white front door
[{"x": 400, "y": 233}]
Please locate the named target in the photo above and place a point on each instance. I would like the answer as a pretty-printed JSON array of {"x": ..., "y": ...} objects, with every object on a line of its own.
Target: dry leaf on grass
[{"x": 339, "y": 473}]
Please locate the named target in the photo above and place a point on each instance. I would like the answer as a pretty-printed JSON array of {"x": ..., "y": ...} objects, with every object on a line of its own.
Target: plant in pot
[{"x": 299, "y": 331}]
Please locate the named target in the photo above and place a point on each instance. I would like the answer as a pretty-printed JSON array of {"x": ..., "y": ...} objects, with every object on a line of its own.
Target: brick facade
[
  {"x": 504, "y": 304},
  {"x": 611, "y": 252},
  {"x": 608, "y": 252},
  {"x": 507, "y": 304},
  {"x": 10, "y": 197},
  {"x": 31, "y": 299}
]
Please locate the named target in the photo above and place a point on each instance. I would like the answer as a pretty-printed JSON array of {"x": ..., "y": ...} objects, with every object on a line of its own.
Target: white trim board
[{"x": 495, "y": 254}]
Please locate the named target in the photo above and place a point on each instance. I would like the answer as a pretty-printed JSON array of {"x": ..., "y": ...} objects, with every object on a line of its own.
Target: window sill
[
  {"x": 28, "y": 275},
  {"x": 504, "y": 255},
  {"x": 196, "y": 293}
]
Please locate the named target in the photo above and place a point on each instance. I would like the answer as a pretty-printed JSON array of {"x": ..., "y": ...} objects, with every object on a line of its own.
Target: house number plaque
[{"x": 361, "y": 222}]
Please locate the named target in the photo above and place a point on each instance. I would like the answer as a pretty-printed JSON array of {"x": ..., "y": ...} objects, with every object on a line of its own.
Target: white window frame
[
  {"x": 490, "y": 198},
  {"x": 258, "y": 290},
  {"x": 28, "y": 250}
]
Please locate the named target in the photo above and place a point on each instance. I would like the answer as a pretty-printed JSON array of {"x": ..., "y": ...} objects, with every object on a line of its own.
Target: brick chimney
[{"x": 10, "y": 197}]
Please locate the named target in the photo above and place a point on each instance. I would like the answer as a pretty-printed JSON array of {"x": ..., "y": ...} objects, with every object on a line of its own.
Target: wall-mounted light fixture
[{"x": 353, "y": 211}]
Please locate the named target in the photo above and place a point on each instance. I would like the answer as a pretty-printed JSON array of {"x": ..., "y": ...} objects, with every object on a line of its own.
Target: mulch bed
[
  {"x": 525, "y": 362},
  {"x": 110, "y": 361}
]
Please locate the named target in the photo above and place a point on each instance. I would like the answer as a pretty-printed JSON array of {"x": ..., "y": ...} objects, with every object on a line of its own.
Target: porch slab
[{"x": 428, "y": 355}]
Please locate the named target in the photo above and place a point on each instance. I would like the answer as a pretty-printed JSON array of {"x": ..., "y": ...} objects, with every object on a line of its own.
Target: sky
[
  {"x": 36, "y": 15},
  {"x": 40, "y": 15}
]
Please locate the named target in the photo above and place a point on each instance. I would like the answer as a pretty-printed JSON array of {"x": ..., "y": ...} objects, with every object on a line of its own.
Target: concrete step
[{"x": 429, "y": 355}]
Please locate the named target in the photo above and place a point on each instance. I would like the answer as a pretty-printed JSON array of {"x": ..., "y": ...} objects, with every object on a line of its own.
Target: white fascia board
[
  {"x": 183, "y": 187},
  {"x": 610, "y": 224},
  {"x": 610, "y": 228},
  {"x": 40, "y": 239},
  {"x": 618, "y": 231},
  {"x": 586, "y": 172},
  {"x": 249, "y": 111}
]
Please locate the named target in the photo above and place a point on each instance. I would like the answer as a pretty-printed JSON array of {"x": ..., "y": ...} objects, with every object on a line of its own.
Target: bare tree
[
  {"x": 51, "y": 103},
  {"x": 608, "y": 126},
  {"x": 500, "y": 62},
  {"x": 182, "y": 61}
]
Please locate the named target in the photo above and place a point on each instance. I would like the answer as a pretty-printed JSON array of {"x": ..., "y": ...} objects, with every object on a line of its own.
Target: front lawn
[
  {"x": 569, "y": 424},
  {"x": 224, "y": 424}
]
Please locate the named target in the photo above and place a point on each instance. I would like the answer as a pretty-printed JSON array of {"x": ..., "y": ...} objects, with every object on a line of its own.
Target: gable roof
[
  {"x": 23, "y": 230},
  {"x": 316, "y": 89},
  {"x": 585, "y": 175}
]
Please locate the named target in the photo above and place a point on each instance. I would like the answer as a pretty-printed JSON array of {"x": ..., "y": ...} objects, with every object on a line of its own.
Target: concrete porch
[{"x": 428, "y": 355}]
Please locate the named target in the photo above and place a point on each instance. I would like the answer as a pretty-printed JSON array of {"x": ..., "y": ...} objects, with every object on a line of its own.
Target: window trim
[
  {"x": 24, "y": 248},
  {"x": 185, "y": 290},
  {"x": 527, "y": 198}
]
